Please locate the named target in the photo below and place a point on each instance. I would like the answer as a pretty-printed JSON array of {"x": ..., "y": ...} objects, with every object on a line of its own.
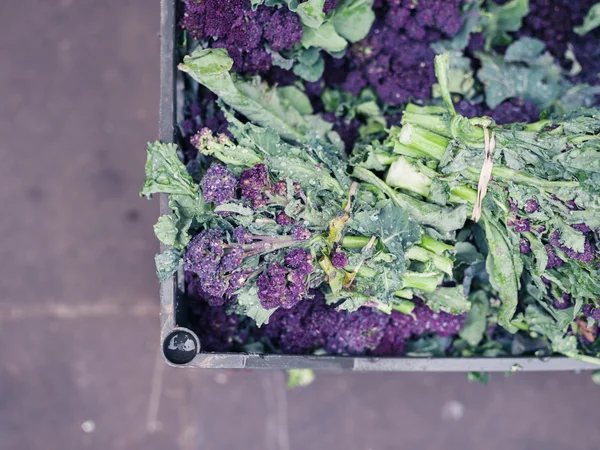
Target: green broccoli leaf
[
  {"x": 591, "y": 21},
  {"x": 543, "y": 323},
  {"x": 534, "y": 77},
  {"x": 499, "y": 20},
  {"x": 476, "y": 323},
  {"x": 311, "y": 13},
  {"x": 448, "y": 299},
  {"x": 165, "y": 173},
  {"x": 298, "y": 99},
  {"x": 325, "y": 37},
  {"x": 352, "y": 19},
  {"x": 255, "y": 100},
  {"x": 248, "y": 304},
  {"x": 504, "y": 267},
  {"x": 312, "y": 72},
  {"x": 168, "y": 262},
  {"x": 391, "y": 225}
]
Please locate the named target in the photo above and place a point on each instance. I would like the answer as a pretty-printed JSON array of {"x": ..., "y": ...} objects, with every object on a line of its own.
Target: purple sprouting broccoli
[
  {"x": 587, "y": 310},
  {"x": 525, "y": 246},
  {"x": 300, "y": 233},
  {"x": 246, "y": 34},
  {"x": 312, "y": 324},
  {"x": 514, "y": 110},
  {"x": 440, "y": 323},
  {"x": 283, "y": 30},
  {"x": 395, "y": 58},
  {"x": 283, "y": 219},
  {"x": 214, "y": 262},
  {"x": 217, "y": 264},
  {"x": 219, "y": 184},
  {"x": 553, "y": 259},
  {"x": 582, "y": 227},
  {"x": 254, "y": 183},
  {"x": 329, "y": 6},
  {"x": 339, "y": 259},
  {"x": 242, "y": 235},
  {"x": 468, "y": 109},
  {"x": 563, "y": 302},
  {"x": 542, "y": 23},
  {"x": 585, "y": 257},
  {"x": 512, "y": 205},
  {"x": 361, "y": 333},
  {"x": 285, "y": 286},
  {"x": 520, "y": 225},
  {"x": 531, "y": 206}
]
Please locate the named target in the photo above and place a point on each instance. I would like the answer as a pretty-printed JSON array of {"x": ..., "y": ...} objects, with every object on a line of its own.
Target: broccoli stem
[
  {"x": 416, "y": 109},
  {"x": 403, "y": 306},
  {"x": 435, "y": 246},
  {"x": 506, "y": 174},
  {"x": 404, "y": 293},
  {"x": 351, "y": 242},
  {"x": 442, "y": 263},
  {"x": 404, "y": 174},
  {"x": 435, "y": 123},
  {"x": 427, "y": 282},
  {"x": 466, "y": 193},
  {"x": 427, "y": 142},
  {"x": 421, "y": 212}
]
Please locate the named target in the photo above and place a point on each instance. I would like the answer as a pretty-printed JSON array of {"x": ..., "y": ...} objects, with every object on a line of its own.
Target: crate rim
[{"x": 171, "y": 289}]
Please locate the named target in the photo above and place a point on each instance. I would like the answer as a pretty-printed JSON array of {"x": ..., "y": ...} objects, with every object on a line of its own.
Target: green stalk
[
  {"x": 427, "y": 282},
  {"x": 506, "y": 174},
  {"x": 430, "y": 144},
  {"x": 443, "y": 219},
  {"x": 435, "y": 246},
  {"x": 537, "y": 126},
  {"x": 404, "y": 293},
  {"x": 440, "y": 262},
  {"x": 350, "y": 242},
  {"x": 416, "y": 109},
  {"x": 459, "y": 193},
  {"x": 436, "y": 123},
  {"x": 404, "y": 174},
  {"x": 403, "y": 306},
  {"x": 442, "y": 66}
]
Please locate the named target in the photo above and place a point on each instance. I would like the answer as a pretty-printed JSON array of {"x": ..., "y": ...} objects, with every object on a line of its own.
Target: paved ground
[{"x": 78, "y": 295}]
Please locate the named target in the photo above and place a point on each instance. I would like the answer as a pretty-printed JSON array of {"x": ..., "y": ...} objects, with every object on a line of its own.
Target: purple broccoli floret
[
  {"x": 339, "y": 259},
  {"x": 520, "y": 225},
  {"x": 361, "y": 332},
  {"x": 441, "y": 323},
  {"x": 582, "y": 227},
  {"x": 283, "y": 219},
  {"x": 232, "y": 24},
  {"x": 254, "y": 183},
  {"x": 514, "y": 110},
  {"x": 525, "y": 246},
  {"x": 242, "y": 235},
  {"x": 213, "y": 261},
  {"x": 585, "y": 257},
  {"x": 283, "y": 286},
  {"x": 300, "y": 233},
  {"x": 563, "y": 302},
  {"x": 531, "y": 206},
  {"x": 283, "y": 30},
  {"x": 587, "y": 310},
  {"x": 219, "y": 184},
  {"x": 553, "y": 259}
]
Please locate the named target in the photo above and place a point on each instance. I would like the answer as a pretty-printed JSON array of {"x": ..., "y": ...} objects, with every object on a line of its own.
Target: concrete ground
[{"x": 79, "y": 298}]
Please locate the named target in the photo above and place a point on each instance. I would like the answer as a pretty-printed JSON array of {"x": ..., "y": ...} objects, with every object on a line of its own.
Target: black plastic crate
[{"x": 181, "y": 346}]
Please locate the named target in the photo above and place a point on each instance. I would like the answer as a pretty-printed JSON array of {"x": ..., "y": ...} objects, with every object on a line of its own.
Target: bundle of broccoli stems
[
  {"x": 540, "y": 215},
  {"x": 285, "y": 213}
]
